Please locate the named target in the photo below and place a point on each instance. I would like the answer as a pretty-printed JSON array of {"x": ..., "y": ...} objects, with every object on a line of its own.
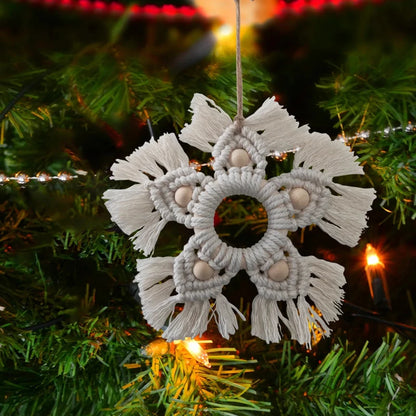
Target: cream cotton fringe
[{"x": 160, "y": 168}]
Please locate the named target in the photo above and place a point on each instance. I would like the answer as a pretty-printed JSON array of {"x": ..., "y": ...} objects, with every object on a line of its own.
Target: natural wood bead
[
  {"x": 279, "y": 271},
  {"x": 183, "y": 196},
  {"x": 300, "y": 198},
  {"x": 202, "y": 270},
  {"x": 239, "y": 158}
]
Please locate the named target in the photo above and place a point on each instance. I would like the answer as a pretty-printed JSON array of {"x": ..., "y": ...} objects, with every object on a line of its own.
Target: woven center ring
[{"x": 236, "y": 182}]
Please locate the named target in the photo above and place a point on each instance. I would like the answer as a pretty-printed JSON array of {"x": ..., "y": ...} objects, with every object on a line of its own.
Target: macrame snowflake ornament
[{"x": 167, "y": 188}]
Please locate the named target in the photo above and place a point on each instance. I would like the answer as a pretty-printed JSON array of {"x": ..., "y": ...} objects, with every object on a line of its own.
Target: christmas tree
[{"x": 84, "y": 83}]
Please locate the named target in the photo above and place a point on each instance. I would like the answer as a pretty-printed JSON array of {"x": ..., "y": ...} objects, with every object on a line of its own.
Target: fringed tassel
[
  {"x": 145, "y": 239},
  {"x": 333, "y": 157},
  {"x": 166, "y": 152},
  {"x": 345, "y": 216},
  {"x": 190, "y": 322},
  {"x": 315, "y": 323},
  {"x": 280, "y": 131},
  {"x": 332, "y": 274},
  {"x": 208, "y": 123},
  {"x": 326, "y": 289},
  {"x": 266, "y": 318},
  {"x": 149, "y": 158},
  {"x": 326, "y": 293},
  {"x": 132, "y": 210},
  {"x": 157, "y": 293},
  {"x": 173, "y": 156},
  {"x": 298, "y": 323},
  {"x": 153, "y": 270},
  {"x": 304, "y": 321},
  {"x": 124, "y": 170},
  {"x": 157, "y": 303},
  {"x": 328, "y": 305},
  {"x": 225, "y": 316}
]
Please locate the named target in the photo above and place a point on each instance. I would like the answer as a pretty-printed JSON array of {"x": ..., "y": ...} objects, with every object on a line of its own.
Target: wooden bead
[
  {"x": 202, "y": 270},
  {"x": 279, "y": 271},
  {"x": 183, "y": 196},
  {"x": 300, "y": 198},
  {"x": 239, "y": 158}
]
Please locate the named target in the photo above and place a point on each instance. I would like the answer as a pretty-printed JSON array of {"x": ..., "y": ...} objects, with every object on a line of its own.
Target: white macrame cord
[{"x": 167, "y": 189}]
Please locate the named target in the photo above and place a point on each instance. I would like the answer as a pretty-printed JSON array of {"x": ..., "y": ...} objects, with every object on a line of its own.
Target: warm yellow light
[
  {"x": 193, "y": 347},
  {"x": 224, "y": 31},
  {"x": 373, "y": 259},
  {"x": 157, "y": 347},
  {"x": 197, "y": 352},
  {"x": 376, "y": 277},
  {"x": 316, "y": 331},
  {"x": 252, "y": 12},
  {"x": 372, "y": 256},
  {"x": 225, "y": 39}
]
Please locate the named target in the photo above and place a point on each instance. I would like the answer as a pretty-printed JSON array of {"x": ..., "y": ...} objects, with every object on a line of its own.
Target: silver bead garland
[
  {"x": 22, "y": 178},
  {"x": 365, "y": 134}
]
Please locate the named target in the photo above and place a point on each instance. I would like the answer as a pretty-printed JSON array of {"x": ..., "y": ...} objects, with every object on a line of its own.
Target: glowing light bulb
[
  {"x": 224, "y": 39},
  {"x": 372, "y": 259},
  {"x": 197, "y": 352},
  {"x": 377, "y": 280},
  {"x": 156, "y": 348},
  {"x": 372, "y": 256},
  {"x": 252, "y": 12},
  {"x": 224, "y": 31}
]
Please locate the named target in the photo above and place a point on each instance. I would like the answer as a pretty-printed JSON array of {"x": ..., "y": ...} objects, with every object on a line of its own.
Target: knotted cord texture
[{"x": 167, "y": 189}]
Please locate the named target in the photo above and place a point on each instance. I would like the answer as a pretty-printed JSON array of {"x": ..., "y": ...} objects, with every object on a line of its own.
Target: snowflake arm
[
  {"x": 133, "y": 209},
  {"x": 208, "y": 123}
]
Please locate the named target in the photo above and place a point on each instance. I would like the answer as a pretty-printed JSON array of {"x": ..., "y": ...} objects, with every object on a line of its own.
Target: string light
[
  {"x": 157, "y": 347},
  {"x": 299, "y": 7},
  {"x": 224, "y": 31},
  {"x": 114, "y": 8},
  {"x": 225, "y": 39},
  {"x": 251, "y": 12},
  {"x": 160, "y": 346},
  {"x": 372, "y": 256},
  {"x": 376, "y": 277},
  {"x": 196, "y": 351},
  {"x": 99, "y": 7}
]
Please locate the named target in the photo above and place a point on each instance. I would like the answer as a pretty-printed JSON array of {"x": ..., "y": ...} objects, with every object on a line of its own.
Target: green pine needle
[{"x": 376, "y": 90}]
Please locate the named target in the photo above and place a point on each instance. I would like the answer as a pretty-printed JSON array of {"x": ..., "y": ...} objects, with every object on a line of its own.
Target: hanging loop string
[{"x": 239, "y": 118}]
